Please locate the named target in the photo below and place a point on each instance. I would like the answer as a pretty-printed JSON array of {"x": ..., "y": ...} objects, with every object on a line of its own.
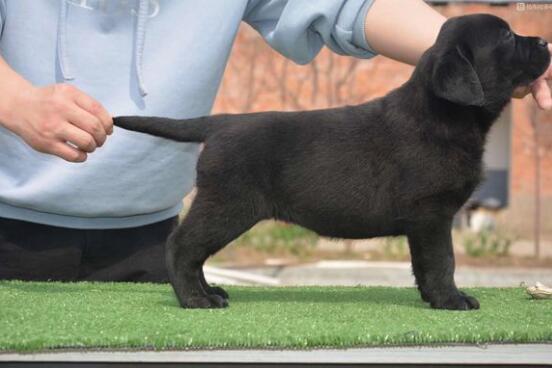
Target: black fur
[{"x": 401, "y": 164}]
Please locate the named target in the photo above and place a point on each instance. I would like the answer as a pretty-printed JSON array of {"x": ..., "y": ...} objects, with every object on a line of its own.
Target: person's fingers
[
  {"x": 548, "y": 72},
  {"x": 78, "y": 137},
  {"x": 87, "y": 122},
  {"x": 541, "y": 93},
  {"x": 68, "y": 153},
  {"x": 95, "y": 108}
]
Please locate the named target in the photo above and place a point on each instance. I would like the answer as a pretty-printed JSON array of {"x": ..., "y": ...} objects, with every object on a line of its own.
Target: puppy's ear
[{"x": 455, "y": 79}]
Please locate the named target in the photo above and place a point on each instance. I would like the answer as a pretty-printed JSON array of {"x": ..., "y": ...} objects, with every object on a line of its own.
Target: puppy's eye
[{"x": 507, "y": 34}]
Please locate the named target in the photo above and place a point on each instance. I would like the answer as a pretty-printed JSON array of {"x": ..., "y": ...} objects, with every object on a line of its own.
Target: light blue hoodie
[{"x": 144, "y": 57}]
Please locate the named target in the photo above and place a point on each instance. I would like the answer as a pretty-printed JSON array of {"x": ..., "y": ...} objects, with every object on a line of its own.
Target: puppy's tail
[{"x": 186, "y": 130}]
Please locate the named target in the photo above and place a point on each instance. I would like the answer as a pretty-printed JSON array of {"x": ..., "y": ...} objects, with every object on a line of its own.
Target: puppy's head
[{"x": 478, "y": 61}]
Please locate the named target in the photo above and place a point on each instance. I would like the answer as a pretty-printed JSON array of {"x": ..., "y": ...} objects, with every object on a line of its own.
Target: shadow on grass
[
  {"x": 83, "y": 286},
  {"x": 407, "y": 297},
  {"x": 348, "y": 295}
]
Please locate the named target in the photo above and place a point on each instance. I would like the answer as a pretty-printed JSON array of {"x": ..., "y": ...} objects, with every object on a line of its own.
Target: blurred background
[{"x": 502, "y": 237}]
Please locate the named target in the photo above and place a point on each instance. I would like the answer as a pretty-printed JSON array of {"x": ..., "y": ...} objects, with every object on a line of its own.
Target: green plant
[
  {"x": 395, "y": 247},
  {"x": 271, "y": 236},
  {"x": 487, "y": 243}
]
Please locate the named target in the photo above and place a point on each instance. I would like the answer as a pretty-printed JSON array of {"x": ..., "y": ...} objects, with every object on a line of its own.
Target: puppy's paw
[
  {"x": 424, "y": 295},
  {"x": 208, "y": 301},
  {"x": 217, "y": 290},
  {"x": 472, "y": 302},
  {"x": 457, "y": 301}
]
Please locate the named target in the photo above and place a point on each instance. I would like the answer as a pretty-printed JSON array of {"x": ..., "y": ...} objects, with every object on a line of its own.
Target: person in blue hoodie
[{"x": 67, "y": 66}]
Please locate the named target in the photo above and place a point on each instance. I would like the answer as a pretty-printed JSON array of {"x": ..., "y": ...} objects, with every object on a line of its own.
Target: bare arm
[
  {"x": 57, "y": 119},
  {"x": 404, "y": 29}
]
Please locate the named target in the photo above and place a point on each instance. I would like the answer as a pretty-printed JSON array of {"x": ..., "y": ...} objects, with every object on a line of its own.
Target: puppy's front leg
[{"x": 433, "y": 264}]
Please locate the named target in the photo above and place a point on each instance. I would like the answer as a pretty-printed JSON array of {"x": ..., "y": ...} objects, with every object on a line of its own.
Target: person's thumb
[{"x": 541, "y": 93}]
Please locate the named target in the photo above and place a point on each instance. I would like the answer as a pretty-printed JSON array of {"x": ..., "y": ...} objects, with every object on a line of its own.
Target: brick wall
[{"x": 259, "y": 79}]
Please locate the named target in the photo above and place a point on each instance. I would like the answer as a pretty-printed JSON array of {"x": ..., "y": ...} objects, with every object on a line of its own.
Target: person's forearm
[
  {"x": 12, "y": 84},
  {"x": 402, "y": 29}
]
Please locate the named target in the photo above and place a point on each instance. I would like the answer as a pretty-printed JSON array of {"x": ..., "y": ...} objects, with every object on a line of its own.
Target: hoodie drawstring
[
  {"x": 62, "y": 42},
  {"x": 139, "y": 39}
]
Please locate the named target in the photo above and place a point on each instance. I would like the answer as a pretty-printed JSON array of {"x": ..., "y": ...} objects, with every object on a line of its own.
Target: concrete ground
[
  {"x": 373, "y": 273},
  {"x": 527, "y": 248},
  {"x": 506, "y": 354},
  {"x": 400, "y": 274}
]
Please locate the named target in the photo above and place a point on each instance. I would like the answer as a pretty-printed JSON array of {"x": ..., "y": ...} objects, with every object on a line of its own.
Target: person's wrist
[{"x": 14, "y": 93}]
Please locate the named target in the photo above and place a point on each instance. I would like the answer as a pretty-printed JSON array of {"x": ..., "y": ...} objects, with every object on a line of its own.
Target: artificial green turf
[{"x": 35, "y": 316}]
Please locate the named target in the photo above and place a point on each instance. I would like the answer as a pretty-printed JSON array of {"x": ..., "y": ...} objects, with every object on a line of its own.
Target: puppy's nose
[{"x": 542, "y": 43}]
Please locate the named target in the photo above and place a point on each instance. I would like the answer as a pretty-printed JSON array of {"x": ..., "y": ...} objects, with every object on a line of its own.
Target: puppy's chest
[{"x": 452, "y": 173}]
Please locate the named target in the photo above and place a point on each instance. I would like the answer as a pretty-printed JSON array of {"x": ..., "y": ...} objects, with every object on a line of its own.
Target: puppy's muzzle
[
  {"x": 540, "y": 57},
  {"x": 533, "y": 58}
]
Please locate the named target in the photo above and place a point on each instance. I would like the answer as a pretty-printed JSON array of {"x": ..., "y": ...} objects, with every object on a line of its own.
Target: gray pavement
[
  {"x": 464, "y": 354},
  {"x": 394, "y": 274}
]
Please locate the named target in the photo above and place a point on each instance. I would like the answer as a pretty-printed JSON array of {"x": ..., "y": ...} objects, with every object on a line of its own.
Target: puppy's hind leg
[
  {"x": 433, "y": 264},
  {"x": 213, "y": 222}
]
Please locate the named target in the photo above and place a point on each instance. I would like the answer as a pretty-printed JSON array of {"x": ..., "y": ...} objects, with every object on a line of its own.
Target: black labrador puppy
[{"x": 401, "y": 164}]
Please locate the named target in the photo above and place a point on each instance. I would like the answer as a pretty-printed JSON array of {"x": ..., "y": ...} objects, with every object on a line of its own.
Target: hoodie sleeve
[
  {"x": 2, "y": 15},
  {"x": 298, "y": 29}
]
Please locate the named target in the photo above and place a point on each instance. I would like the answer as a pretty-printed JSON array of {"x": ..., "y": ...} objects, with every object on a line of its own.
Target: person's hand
[
  {"x": 58, "y": 119},
  {"x": 539, "y": 88}
]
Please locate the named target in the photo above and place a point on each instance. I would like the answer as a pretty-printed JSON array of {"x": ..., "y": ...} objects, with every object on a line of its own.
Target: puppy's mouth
[{"x": 540, "y": 64}]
